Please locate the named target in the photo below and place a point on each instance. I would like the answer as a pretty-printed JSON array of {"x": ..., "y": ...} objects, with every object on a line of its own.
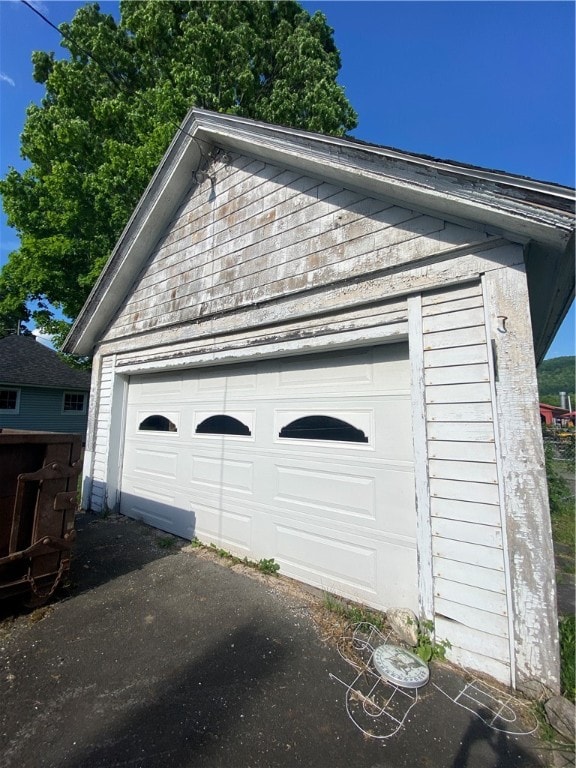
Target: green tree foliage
[
  {"x": 554, "y": 376},
  {"x": 106, "y": 119},
  {"x": 13, "y": 309}
]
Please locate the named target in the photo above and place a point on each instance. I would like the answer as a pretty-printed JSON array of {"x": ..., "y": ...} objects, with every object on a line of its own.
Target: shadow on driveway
[
  {"x": 109, "y": 547},
  {"x": 160, "y": 657},
  {"x": 199, "y": 712}
]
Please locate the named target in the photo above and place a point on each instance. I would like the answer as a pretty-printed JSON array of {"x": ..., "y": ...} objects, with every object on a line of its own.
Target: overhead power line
[
  {"x": 90, "y": 55},
  {"x": 118, "y": 82}
]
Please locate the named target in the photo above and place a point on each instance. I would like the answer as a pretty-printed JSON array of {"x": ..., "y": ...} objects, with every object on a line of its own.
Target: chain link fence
[
  {"x": 561, "y": 442},
  {"x": 559, "y": 445}
]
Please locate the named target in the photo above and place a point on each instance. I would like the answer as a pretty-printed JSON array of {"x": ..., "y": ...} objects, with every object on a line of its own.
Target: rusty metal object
[{"x": 38, "y": 479}]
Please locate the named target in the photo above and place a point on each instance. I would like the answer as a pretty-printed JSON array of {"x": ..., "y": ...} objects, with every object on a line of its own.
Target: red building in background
[{"x": 554, "y": 415}]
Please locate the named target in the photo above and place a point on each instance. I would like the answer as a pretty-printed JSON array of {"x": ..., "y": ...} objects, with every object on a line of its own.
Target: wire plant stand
[
  {"x": 498, "y": 710},
  {"x": 376, "y": 706}
]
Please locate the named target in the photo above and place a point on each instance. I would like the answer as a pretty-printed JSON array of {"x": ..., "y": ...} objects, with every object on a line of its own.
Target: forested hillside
[{"x": 557, "y": 375}]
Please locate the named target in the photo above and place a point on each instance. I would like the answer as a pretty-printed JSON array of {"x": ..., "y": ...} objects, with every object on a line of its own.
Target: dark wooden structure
[{"x": 38, "y": 500}]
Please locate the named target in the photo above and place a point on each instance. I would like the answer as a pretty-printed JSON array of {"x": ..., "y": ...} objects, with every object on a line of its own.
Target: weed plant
[
  {"x": 266, "y": 565},
  {"x": 428, "y": 648}
]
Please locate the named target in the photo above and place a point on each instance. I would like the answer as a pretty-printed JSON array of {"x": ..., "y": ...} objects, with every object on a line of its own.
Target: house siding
[
  {"x": 100, "y": 438},
  {"x": 257, "y": 233},
  {"x": 40, "y": 408},
  {"x": 469, "y": 587}
]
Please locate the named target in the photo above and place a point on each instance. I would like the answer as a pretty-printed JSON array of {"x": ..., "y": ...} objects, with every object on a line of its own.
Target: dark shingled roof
[{"x": 25, "y": 361}]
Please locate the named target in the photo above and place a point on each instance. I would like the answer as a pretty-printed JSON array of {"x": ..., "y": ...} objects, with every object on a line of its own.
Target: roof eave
[{"x": 170, "y": 181}]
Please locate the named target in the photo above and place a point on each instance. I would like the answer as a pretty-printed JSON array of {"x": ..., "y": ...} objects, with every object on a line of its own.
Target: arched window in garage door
[
  {"x": 323, "y": 428},
  {"x": 157, "y": 423},
  {"x": 222, "y": 424}
]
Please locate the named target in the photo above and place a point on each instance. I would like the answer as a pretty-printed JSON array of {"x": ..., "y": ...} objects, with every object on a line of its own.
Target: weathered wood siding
[
  {"x": 252, "y": 233},
  {"x": 530, "y": 555},
  {"x": 470, "y": 587},
  {"x": 99, "y": 437}
]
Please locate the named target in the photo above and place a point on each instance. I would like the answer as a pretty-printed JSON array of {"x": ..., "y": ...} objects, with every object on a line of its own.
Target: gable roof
[
  {"x": 27, "y": 362},
  {"x": 520, "y": 209}
]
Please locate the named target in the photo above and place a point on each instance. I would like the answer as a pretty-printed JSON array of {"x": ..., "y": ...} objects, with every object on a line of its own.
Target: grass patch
[
  {"x": 165, "y": 542},
  {"x": 225, "y": 555},
  {"x": 567, "y": 630},
  {"x": 563, "y": 532},
  {"x": 427, "y": 648},
  {"x": 353, "y": 613},
  {"x": 561, "y": 503},
  {"x": 545, "y": 731},
  {"x": 564, "y": 536}
]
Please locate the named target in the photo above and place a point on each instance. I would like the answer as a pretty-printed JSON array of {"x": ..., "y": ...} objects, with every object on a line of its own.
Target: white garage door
[{"x": 305, "y": 460}]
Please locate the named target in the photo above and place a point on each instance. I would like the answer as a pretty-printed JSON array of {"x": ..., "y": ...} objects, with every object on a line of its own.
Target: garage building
[{"x": 321, "y": 351}]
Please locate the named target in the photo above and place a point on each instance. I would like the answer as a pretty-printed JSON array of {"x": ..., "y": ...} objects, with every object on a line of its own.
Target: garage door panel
[
  {"x": 223, "y": 527},
  {"x": 336, "y": 513},
  {"x": 236, "y": 417},
  {"x": 396, "y": 504},
  {"x": 323, "y": 557},
  {"x": 385, "y": 423},
  {"x": 237, "y": 379},
  {"x": 326, "y": 373},
  {"x": 379, "y": 498},
  {"x": 161, "y": 510},
  {"x": 154, "y": 463},
  {"x": 394, "y": 585},
  {"x": 394, "y": 435},
  {"x": 371, "y": 572},
  {"x": 322, "y": 491},
  {"x": 154, "y": 387},
  {"x": 226, "y": 474}
]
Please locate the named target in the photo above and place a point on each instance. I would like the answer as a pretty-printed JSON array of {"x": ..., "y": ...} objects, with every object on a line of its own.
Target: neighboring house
[
  {"x": 323, "y": 351},
  {"x": 38, "y": 391},
  {"x": 552, "y": 414}
]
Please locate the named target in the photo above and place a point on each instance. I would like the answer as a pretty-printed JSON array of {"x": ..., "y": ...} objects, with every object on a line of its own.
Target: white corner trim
[
  {"x": 421, "y": 478},
  {"x": 501, "y": 481}
]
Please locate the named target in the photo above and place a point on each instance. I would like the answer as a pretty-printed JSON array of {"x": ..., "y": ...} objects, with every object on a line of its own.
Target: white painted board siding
[
  {"x": 256, "y": 232},
  {"x": 470, "y": 600},
  {"x": 101, "y": 432}
]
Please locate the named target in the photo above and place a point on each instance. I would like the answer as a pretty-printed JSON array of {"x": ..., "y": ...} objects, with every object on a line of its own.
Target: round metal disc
[{"x": 400, "y": 667}]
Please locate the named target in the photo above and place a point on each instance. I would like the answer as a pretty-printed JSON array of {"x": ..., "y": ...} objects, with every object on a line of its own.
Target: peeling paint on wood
[
  {"x": 473, "y": 575},
  {"x": 315, "y": 301},
  {"x": 524, "y": 481},
  {"x": 422, "y": 487},
  {"x": 301, "y": 246},
  {"x": 478, "y": 643}
]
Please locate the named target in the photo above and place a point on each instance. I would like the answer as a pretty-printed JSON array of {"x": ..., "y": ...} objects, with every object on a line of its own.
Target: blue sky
[{"x": 485, "y": 83}]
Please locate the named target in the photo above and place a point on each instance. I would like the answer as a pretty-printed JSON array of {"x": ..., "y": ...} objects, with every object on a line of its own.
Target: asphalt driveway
[{"x": 158, "y": 656}]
